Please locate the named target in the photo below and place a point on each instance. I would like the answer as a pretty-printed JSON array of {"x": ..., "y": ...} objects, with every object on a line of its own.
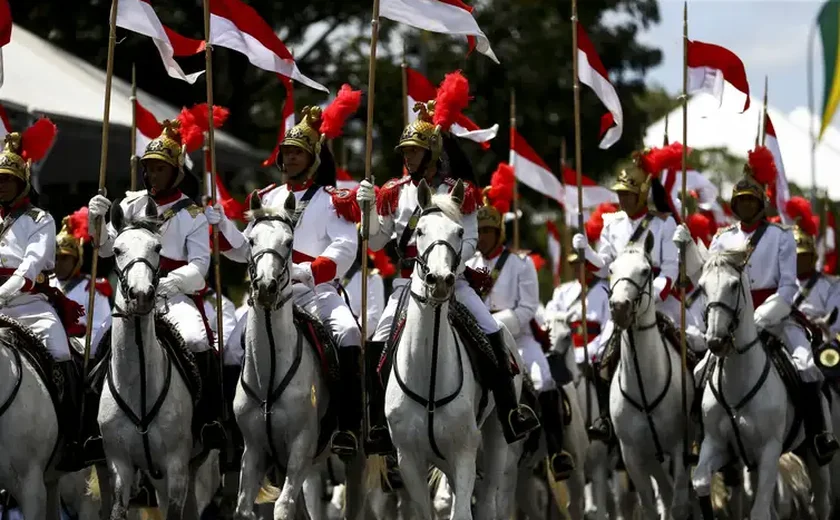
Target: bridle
[
  {"x": 422, "y": 266},
  {"x": 283, "y": 295},
  {"x": 122, "y": 277},
  {"x": 642, "y": 289},
  {"x": 735, "y": 313}
]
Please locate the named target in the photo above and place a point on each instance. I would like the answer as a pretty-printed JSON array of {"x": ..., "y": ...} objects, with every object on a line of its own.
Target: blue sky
[{"x": 770, "y": 36}]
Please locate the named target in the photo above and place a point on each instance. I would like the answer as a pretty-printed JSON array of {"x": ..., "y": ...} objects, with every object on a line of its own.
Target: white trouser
[
  {"x": 34, "y": 311},
  {"x": 329, "y": 307},
  {"x": 187, "y": 320},
  {"x": 463, "y": 293},
  {"x": 233, "y": 347},
  {"x": 535, "y": 363}
]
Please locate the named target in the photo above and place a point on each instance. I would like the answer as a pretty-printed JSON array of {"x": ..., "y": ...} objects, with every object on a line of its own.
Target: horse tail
[
  {"x": 559, "y": 492},
  {"x": 150, "y": 513},
  {"x": 375, "y": 473},
  {"x": 720, "y": 497},
  {"x": 794, "y": 478},
  {"x": 268, "y": 494},
  {"x": 93, "y": 485},
  {"x": 433, "y": 478}
]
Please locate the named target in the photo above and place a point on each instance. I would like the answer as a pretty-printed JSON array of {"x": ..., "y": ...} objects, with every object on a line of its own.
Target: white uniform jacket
[
  {"x": 76, "y": 289},
  {"x": 566, "y": 300},
  {"x": 817, "y": 297}
]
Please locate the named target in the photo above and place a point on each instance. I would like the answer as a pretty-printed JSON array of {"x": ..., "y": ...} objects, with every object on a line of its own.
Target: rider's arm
[
  {"x": 668, "y": 259},
  {"x": 232, "y": 242},
  {"x": 39, "y": 254},
  {"x": 228, "y": 318},
  {"x": 341, "y": 253},
  {"x": 833, "y": 302},
  {"x": 606, "y": 251},
  {"x": 470, "y": 240},
  {"x": 384, "y": 231},
  {"x": 191, "y": 277},
  {"x": 787, "y": 267},
  {"x": 376, "y": 302}
]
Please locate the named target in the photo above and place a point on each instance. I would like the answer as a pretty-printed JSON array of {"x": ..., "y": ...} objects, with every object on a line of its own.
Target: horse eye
[
  {"x": 419, "y": 232},
  {"x": 158, "y": 248},
  {"x": 118, "y": 251},
  {"x": 461, "y": 233},
  {"x": 251, "y": 242}
]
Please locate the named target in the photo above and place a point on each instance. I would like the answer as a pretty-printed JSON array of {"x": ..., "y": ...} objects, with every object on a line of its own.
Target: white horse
[
  {"x": 645, "y": 393},
  {"x": 282, "y": 395},
  {"x": 145, "y": 412},
  {"x": 598, "y": 464},
  {"x": 745, "y": 405},
  {"x": 432, "y": 398}
]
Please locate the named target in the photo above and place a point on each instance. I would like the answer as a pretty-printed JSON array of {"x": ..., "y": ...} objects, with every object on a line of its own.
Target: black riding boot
[
  {"x": 379, "y": 439},
  {"x": 73, "y": 457},
  {"x": 822, "y": 441},
  {"x": 601, "y": 428},
  {"x": 551, "y": 408},
  {"x": 232, "y": 461},
  {"x": 517, "y": 419},
  {"x": 212, "y": 432},
  {"x": 345, "y": 441}
]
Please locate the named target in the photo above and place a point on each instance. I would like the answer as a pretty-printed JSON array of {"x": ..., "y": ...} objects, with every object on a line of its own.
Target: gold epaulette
[
  {"x": 725, "y": 229},
  {"x": 36, "y": 214},
  {"x": 192, "y": 209}
]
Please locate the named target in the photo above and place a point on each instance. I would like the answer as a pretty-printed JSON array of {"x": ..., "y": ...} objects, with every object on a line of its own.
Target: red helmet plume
[
  {"x": 346, "y": 103},
  {"x": 500, "y": 193},
  {"x": 452, "y": 98}
]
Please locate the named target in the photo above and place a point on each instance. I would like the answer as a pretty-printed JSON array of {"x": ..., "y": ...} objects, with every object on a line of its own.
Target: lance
[
  {"x": 564, "y": 228},
  {"x": 211, "y": 164},
  {"x": 374, "y": 38},
  {"x": 683, "y": 345},
  {"x": 133, "y": 99},
  {"x": 764, "y": 118},
  {"x": 579, "y": 180},
  {"x": 515, "y": 184},
  {"x": 103, "y": 167},
  {"x": 404, "y": 72}
]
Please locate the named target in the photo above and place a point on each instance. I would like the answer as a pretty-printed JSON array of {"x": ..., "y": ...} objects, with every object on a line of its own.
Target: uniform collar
[
  {"x": 806, "y": 277},
  {"x": 636, "y": 216},
  {"x": 495, "y": 253},
  {"x": 300, "y": 186},
  {"x": 749, "y": 228},
  {"x": 5, "y": 210},
  {"x": 167, "y": 197}
]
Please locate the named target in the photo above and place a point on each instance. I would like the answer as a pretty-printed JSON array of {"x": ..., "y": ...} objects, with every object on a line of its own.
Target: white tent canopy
[
  {"x": 44, "y": 78},
  {"x": 711, "y": 127}
]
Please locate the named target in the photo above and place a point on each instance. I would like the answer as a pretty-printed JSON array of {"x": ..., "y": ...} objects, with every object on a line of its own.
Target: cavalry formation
[{"x": 463, "y": 369}]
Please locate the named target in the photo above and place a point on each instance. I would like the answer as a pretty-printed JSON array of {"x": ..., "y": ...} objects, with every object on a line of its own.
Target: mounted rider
[
  {"x": 513, "y": 299},
  {"x": 184, "y": 259},
  {"x": 772, "y": 268},
  {"x": 351, "y": 283},
  {"x": 325, "y": 244},
  {"x": 27, "y": 251},
  {"x": 632, "y": 225},
  {"x": 71, "y": 250},
  {"x": 430, "y": 153}
]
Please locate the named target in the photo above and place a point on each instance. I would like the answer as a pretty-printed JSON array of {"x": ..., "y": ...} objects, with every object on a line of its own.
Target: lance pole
[
  {"x": 764, "y": 117},
  {"x": 103, "y": 168},
  {"x": 374, "y": 39},
  {"x": 210, "y": 160},
  {"x": 515, "y": 182},
  {"x": 563, "y": 272},
  {"x": 133, "y": 99},
  {"x": 579, "y": 179},
  {"x": 404, "y": 72},
  {"x": 683, "y": 282}
]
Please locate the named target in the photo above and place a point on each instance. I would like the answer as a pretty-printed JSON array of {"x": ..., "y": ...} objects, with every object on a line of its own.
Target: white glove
[
  {"x": 302, "y": 273},
  {"x": 772, "y": 312},
  {"x": 168, "y": 287},
  {"x": 659, "y": 285},
  {"x": 214, "y": 214},
  {"x": 97, "y": 208},
  {"x": 11, "y": 288},
  {"x": 365, "y": 193},
  {"x": 682, "y": 235},
  {"x": 579, "y": 242}
]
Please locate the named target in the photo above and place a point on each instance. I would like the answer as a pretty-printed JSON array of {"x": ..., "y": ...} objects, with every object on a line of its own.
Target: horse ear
[
  {"x": 832, "y": 318},
  {"x": 290, "y": 205},
  {"x": 256, "y": 202},
  {"x": 424, "y": 195},
  {"x": 151, "y": 208},
  {"x": 117, "y": 216},
  {"x": 649, "y": 243},
  {"x": 457, "y": 193}
]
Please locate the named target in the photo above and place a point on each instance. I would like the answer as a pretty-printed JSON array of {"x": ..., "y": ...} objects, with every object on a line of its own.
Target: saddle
[
  {"x": 670, "y": 334},
  {"x": 320, "y": 337},
  {"x": 20, "y": 338}
]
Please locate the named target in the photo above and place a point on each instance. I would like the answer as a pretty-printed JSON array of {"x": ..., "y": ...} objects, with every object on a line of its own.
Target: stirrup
[
  {"x": 378, "y": 441},
  {"x": 561, "y": 465},
  {"x": 601, "y": 430},
  {"x": 825, "y": 446},
  {"x": 344, "y": 450}
]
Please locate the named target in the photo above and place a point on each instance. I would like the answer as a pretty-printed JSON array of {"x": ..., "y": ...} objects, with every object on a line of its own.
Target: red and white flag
[
  {"x": 287, "y": 122},
  {"x": 592, "y": 72},
  {"x": 420, "y": 90},
  {"x": 782, "y": 190},
  {"x": 140, "y": 17},
  {"x": 237, "y": 26},
  {"x": 828, "y": 246},
  {"x": 554, "y": 247},
  {"x": 593, "y": 194},
  {"x": 440, "y": 16},
  {"x": 5, "y": 127},
  {"x": 5, "y": 31},
  {"x": 531, "y": 170},
  {"x": 710, "y": 66},
  {"x": 344, "y": 180}
]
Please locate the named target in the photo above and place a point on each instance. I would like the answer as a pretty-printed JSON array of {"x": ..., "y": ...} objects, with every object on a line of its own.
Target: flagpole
[
  {"x": 564, "y": 229},
  {"x": 811, "y": 130},
  {"x": 579, "y": 179},
  {"x": 211, "y": 144},
  {"x": 515, "y": 183},
  {"x": 103, "y": 168},
  {"x": 133, "y": 100},
  {"x": 404, "y": 72},
  {"x": 683, "y": 211},
  {"x": 206, "y": 156},
  {"x": 374, "y": 39},
  {"x": 764, "y": 117}
]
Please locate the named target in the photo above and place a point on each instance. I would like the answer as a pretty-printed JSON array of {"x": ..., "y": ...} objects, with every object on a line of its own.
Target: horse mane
[
  {"x": 265, "y": 212},
  {"x": 734, "y": 258},
  {"x": 448, "y": 207},
  {"x": 150, "y": 224}
]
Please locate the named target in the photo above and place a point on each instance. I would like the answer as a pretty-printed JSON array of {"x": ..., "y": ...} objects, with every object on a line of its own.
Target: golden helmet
[
  {"x": 72, "y": 237},
  {"x": 11, "y": 159},
  {"x": 305, "y": 135},
  {"x": 759, "y": 172},
  {"x": 422, "y": 132},
  {"x": 167, "y": 147},
  {"x": 807, "y": 226},
  {"x": 805, "y": 243},
  {"x": 489, "y": 216},
  {"x": 497, "y": 201}
]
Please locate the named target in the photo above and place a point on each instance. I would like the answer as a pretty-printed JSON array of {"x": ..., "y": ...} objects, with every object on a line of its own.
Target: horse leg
[
  {"x": 768, "y": 470},
  {"x": 490, "y": 494},
  {"x": 250, "y": 478},
  {"x": 680, "y": 505},
  {"x": 819, "y": 486},
  {"x": 178, "y": 481},
  {"x": 33, "y": 494},
  {"x": 712, "y": 457},
  {"x": 355, "y": 494},
  {"x": 413, "y": 472},
  {"x": 53, "y": 501},
  {"x": 122, "y": 477},
  {"x": 313, "y": 492},
  {"x": 106, "y": 490},
  {"x": 597, "y": 458},
  {"x": 640, "y": 471},
  {"x": 463, "y": 485},
  {"x": 298, "y": 468}
]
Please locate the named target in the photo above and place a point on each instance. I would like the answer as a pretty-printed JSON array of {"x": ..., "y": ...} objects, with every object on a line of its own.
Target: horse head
[
  {"x": 439, "y": 235},
  {"x": 632, "y": 283},
  {"x": 725, "y": 283},
  {"x": 271, "y": 237},
  {"x": 137, "y": 257},
  {"x": 559, "y": 332}
]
